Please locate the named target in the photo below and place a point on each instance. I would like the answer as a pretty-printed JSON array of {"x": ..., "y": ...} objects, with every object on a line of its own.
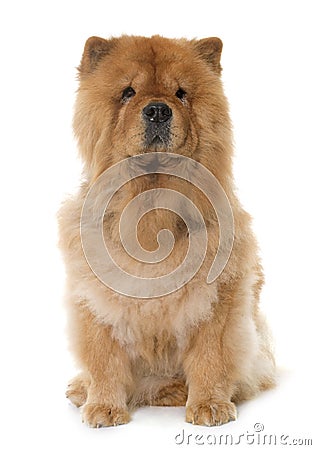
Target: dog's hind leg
[
  {"x": 159, "y": 391},
  {"x": 77, "y": 389}
]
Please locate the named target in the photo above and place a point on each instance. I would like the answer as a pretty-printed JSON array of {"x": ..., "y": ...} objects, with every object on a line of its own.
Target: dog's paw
[
  {"x": 96, "y": 415},
  {"x": 211, "y": 413},
  {"x": 174, "y": 393},
  {"x": 77, "y": 391}
]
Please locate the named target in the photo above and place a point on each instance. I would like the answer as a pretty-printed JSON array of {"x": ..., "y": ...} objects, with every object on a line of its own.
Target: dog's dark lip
[
  {"x": 155, "y": 145},
  {"x": 157, "y": 136},
  {"x": 157, "y": 140}
]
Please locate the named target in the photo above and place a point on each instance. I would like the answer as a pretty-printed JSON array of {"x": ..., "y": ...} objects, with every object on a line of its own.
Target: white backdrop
[{"x": 269, "y": 77}]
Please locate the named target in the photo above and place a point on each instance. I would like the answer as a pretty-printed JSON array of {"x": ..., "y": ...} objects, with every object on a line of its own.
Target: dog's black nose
[{"x": 157, "y": 112}]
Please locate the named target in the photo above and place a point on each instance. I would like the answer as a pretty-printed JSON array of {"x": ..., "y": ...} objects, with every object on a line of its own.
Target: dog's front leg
[
  {"x": 107, "y": 364},
  {"x": 209, "y": 374}
]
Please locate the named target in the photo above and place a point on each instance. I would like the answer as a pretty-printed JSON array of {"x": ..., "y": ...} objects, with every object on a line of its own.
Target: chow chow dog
[{"x": 204, "y": 346}]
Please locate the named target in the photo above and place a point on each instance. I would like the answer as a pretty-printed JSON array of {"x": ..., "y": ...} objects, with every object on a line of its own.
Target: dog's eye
[
  {"x": 181, "y": 94},
  {"x": 128, "y": 93}
]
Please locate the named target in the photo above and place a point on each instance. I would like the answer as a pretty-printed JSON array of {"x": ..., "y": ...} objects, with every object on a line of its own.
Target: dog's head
[{"x": 140, "y": 95}]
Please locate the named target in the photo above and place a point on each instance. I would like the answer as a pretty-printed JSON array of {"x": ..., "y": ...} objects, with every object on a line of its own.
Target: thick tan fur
[{"x": 203, "y": 346}]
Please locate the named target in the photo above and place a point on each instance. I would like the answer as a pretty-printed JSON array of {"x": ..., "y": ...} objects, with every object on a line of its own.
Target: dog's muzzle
[{"x": 157, "y": 117}]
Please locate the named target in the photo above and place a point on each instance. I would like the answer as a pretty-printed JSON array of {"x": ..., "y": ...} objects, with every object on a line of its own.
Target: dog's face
[{"x": 140, "y": 95}]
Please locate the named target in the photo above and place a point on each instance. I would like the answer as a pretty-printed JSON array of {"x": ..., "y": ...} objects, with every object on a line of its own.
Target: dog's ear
[
  {"x": 210, "y": 50},
  {"x": 94, "y": 50}
]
